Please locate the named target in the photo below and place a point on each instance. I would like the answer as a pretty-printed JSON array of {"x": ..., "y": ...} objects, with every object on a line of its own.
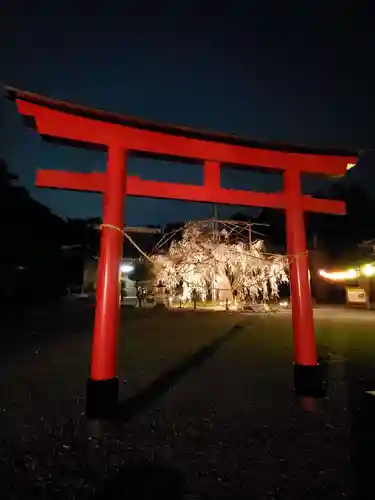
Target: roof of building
[{"x": 110, "y": 117}]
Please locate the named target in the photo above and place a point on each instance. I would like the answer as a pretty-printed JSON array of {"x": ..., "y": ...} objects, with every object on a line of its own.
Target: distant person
[{"x": 141, "y": 296}]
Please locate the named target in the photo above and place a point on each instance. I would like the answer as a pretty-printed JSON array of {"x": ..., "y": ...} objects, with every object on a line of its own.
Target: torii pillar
[
  {"x": 307, "y": 374},
  {"x": 103, "y": 384}
]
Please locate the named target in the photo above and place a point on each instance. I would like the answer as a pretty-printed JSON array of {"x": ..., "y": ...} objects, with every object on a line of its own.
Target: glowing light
[
  {"x": 368, "y": 270},
  {"x": 284, "y": 303},
  {"x": 350, "y": 274},
  {"x": 349, "y": 166},
  {"x": 338, "y": 276},
  {"x": 126, "y": 268}
]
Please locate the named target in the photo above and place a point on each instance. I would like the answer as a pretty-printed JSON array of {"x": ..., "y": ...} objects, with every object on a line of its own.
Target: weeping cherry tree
[{"x": 216, "y": 265}]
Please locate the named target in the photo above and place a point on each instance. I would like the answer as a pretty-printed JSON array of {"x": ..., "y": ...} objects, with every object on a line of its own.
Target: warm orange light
[
  {"x": 367, "y": 270},
  {"x": 349, "y": 274},
  {"x": 339, "y": 276}
]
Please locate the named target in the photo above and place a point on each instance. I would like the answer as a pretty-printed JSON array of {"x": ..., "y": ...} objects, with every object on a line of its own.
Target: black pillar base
[
  {"x": 308, "y": 381},
  {"x": 102, "y": 398}
]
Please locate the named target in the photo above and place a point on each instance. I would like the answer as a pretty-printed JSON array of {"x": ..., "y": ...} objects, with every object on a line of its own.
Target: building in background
[{"x": 133, "y": 277}]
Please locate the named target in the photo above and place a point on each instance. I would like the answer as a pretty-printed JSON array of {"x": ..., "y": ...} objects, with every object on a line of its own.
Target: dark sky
[{"x": 269, "y": 71}]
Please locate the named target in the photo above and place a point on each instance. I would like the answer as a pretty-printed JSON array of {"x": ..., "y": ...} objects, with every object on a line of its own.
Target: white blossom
[{"x": 206, "y": 261}]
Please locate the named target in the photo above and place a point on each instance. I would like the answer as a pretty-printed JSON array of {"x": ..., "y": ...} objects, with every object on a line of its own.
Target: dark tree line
[
  {"x": 41, "y": 255},
  {"x": 337, "y": 235},
  {"x": 30, "y": 249}
]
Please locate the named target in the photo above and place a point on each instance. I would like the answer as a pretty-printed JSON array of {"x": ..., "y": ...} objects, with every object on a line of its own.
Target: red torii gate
[{"x": 121, "y": 135}]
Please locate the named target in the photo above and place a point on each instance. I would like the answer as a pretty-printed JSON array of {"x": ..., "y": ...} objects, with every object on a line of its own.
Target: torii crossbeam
[{"x": 122, "y": 135}]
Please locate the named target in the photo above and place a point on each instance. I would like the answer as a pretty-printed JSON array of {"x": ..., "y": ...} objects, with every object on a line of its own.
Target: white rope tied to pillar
[
  {"x": 111, "y": 226},
  {"x": 116, "y": 228}
]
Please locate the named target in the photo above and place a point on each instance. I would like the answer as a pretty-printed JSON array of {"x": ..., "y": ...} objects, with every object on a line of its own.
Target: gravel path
[{"x": 222, "y": 423}]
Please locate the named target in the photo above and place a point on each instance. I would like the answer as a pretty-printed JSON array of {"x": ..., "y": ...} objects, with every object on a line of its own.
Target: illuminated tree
[{"x": 218, "y": 264}]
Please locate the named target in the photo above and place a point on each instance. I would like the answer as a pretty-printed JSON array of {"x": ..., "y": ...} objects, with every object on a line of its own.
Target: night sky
[{"x": 268, "y": 71}]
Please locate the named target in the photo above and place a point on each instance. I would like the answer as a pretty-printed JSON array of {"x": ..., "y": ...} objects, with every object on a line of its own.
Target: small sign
[{"x": 356, "y": 296}]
